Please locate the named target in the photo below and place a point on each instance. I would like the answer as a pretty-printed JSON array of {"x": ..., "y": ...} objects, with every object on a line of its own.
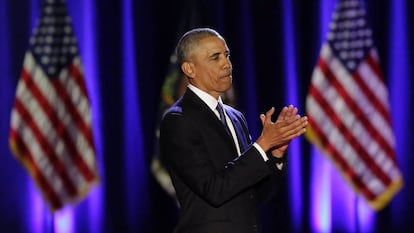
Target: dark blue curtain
[{"x": 125, "y": 48}]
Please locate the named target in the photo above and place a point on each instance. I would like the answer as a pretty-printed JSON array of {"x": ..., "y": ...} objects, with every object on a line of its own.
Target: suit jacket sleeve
[{"x": 267, "y": 187}]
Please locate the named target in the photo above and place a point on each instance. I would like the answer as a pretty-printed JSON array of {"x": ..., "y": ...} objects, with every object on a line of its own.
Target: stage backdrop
[{"x": 125, "y": 47}]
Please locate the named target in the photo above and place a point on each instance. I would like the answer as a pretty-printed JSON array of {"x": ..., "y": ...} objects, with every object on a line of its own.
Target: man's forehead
[{"x": 213, "y": 44}]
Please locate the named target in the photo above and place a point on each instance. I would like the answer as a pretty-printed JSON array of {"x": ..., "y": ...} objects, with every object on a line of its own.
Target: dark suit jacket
[{"x": 218, "y": 191}]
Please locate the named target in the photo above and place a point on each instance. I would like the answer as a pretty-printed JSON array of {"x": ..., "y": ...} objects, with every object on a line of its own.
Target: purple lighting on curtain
[
  {"x": 320, "y": 194},
  {"x": 37, "y": 212},
  {"x": 250, "y": 91},
  {"x": 399, "y": 79},
  {"x": 365, "y": 217},
  {"x": 135, "y": 172},
  {"x": 320, "y": 186},
  {"x": 343, "y": 203},
  {"x": 64, "y": 221},
  {"x": 292, "y": 98},
  {"x": 87, "y": 35}
]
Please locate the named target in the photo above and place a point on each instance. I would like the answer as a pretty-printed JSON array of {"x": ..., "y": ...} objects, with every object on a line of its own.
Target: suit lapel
[{"x": 203, "y": 114}]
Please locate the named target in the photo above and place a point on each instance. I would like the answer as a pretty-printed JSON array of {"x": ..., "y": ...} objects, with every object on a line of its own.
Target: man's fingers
[
  {"x": 291, "y": 111},
  {"x": 262, "y": 118},
  {"x": 287, "y": 112},
  {"x": 268, "y": 118},
  {"x": 282, "y": 114},
  {"x": 294, "y": 126},
  {"x": 297, "y": 127}
]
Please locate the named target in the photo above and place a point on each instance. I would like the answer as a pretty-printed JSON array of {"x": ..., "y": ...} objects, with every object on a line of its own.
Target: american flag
[
  {"x": 348, "y": 107},
  {"x": 50, "y": 132}
]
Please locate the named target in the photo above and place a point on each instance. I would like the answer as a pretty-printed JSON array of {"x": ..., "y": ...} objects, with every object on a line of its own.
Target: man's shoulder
[
  {"x": 180, "y": 107},
  {"x": 233, "y": 110},
  {"x": 176, "y": 108}
]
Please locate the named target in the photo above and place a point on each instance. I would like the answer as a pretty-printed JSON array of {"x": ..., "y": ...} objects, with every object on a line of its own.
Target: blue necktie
[{"x": 223, "y": 117}]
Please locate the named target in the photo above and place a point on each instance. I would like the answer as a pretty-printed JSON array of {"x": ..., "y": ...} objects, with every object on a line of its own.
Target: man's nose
[{"x": 227, "y": 65}]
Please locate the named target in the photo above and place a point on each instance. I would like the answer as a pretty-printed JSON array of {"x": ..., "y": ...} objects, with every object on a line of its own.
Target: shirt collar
[{"x": 205, "y": 97}]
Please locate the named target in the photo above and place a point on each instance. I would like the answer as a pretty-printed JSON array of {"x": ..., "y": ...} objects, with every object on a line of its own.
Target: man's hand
[
  {"x": 286, "y": 112},
  {"x": 276, "y": 136}
]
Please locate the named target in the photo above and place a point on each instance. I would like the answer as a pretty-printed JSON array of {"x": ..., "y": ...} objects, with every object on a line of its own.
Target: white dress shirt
[{"x": 212, "y": 104}]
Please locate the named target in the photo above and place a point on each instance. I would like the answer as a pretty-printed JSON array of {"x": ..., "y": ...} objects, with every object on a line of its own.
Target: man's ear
[{"x": 188, "y": 69}]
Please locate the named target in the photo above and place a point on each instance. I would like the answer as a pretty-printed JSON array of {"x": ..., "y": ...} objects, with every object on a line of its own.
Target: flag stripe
[
  {"x": 45, "y": 125},
  {"x": 348, "y": 110},
  {"x": 371, "y": 96},
  {"x": 351, "y": 140},
  {"x": 383, "y": 161},
  {"x": 369, "y": 75},
  {"x": 63, "y": 119},
  {"x": 42, "y": 142},
  {"x": 27, "y": 158},
  {"x": 374, "y": 132},
  {"x": 327, "y": 135},
  {"x": 76, "y": 73},
  {"x": 41, "y": 120},
  {"x": 73, "y": 114},
  {"x": 356, "y": 95},
  {"x": 61, "y": 129},
  {"x": 341, "y": 162}
]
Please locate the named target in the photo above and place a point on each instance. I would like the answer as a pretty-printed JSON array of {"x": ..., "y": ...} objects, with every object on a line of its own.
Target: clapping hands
[{"x": 277, "y": 135}]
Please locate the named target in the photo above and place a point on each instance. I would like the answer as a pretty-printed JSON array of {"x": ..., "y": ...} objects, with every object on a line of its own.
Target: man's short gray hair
[{"x": 190, "y": 39}]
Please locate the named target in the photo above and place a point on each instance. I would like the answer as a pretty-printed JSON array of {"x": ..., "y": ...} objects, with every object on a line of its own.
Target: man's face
[{"x": 211, "y": 65}]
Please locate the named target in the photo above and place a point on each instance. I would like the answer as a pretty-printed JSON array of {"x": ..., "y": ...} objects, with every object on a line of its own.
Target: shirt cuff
[
  {"x": 279, "y": 166},
  {"x": 261, "y": 151}
]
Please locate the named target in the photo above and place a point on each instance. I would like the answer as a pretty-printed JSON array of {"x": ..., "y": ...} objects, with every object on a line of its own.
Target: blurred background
[{"x": 126, "y": 47}]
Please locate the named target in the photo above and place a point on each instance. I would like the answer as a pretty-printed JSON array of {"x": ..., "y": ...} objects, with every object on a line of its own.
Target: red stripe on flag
[
  {"x": 46, "y": 147},
  {"x": 337, "y": 158},
  {"x": 353, "y": 142},
  {"x": 78, "y": 78},
  {"x": 375, "y": 102},
  {"x": 73, "y": 111},
  {"x": 60, "y": 129},
  {"x": 31, "y": 165},
  {"x": 374, "y": 64},
  {"x": 352, "y": 105}
]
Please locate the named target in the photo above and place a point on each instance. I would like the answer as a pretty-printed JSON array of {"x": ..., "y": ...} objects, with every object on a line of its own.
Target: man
[{"x": 219, "y": 175}]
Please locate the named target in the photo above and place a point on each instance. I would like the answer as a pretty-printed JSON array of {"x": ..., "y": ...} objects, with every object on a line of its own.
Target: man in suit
[{"x": 219, "y": 174}]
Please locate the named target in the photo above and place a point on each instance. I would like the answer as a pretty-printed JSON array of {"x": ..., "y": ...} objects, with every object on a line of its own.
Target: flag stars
[
  {"x": 45, "y": 60},
  {"x": 48, "y": 10},
  {"x": 47, "y": 49},
  {"x": 68, "y": 30},
  {"x": 349, "y": 35},
  {"x": 53, "y": 41},
  {"x": 63, "y": 59}
]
